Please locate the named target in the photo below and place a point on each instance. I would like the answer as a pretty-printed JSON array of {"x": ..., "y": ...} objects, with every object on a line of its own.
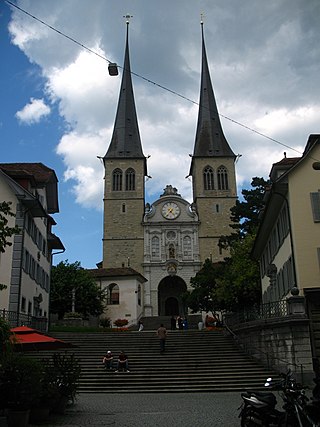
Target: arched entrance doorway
[
  {"x": 170, "y": 290},
  {"x": 171, "y": 306}
]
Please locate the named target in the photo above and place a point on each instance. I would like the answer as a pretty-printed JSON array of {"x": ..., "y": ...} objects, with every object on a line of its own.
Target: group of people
[
  {"x": 122, "y": 362},
  {"x": 178, "y": 323}
]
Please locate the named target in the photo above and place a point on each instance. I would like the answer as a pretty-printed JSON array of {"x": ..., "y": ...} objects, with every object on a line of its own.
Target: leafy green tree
[
  {"x": 67, "y": 279},
  {"x": 5, "y": 333},
  {"x": 234, "y": 283},
  {"x": 5, "y": 230},
  {"x": 239, "y": 283},
  {"x": 202, "y": 297},
  {"x": 245, "y": 214}
]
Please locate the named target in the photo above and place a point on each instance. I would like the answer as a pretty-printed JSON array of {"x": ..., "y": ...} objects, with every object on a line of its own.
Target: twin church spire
[
  {"x": 209, "y": 141},
  {"x": 125, "y": 238},
  {"x": 125, "y": 141}
]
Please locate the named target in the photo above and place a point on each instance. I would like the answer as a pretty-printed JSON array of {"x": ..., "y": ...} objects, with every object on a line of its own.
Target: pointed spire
[
  {"x": 210, "y": 140},
  {"x": 125, "y": 141}
]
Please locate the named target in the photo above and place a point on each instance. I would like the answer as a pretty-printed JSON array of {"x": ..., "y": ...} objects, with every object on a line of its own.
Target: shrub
[
  {"x": 66, "y": 371},
  {"x": 105, "y": 322},
  {"x": 20, "y": 378},
  {"x": 5, "y": 334}
]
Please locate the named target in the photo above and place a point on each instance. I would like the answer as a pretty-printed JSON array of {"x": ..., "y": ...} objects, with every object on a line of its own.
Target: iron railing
[
  {"x": 264, "y": 311},
  {"x": 22, "y": 319}
]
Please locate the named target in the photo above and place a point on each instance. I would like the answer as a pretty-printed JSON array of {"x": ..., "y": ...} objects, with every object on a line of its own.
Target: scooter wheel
[{"x": 252, "y": 419}]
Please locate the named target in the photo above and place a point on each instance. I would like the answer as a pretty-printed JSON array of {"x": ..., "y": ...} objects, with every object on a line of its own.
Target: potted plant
[
  {"x": 121, "y": 324},
  {"x": 20, "y": 377},
  {"x": 66, "y": 370},
  {"x": 48, "y": 394}
]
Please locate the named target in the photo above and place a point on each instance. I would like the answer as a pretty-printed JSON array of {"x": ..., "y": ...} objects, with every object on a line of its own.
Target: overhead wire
[{"x": 146, "y": 79}]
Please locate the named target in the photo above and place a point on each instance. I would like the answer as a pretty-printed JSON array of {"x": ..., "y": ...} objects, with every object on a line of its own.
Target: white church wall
[{"x": 128, "y": 307}]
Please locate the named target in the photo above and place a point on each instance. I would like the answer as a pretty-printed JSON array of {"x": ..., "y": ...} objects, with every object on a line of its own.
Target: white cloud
[
  {"x": 264, "y": 62},
  {"x": 33, "y": 112},
  {"x": 84, "y": 90},
  {"x": 79, "y": 152}
]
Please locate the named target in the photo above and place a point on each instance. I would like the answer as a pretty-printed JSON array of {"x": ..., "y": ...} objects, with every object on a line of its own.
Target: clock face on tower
[{"x": 170, "y": 210}]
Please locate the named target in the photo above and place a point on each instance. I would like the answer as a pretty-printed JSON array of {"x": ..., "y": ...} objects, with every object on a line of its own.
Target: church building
[{"x": 150, "y": 251}]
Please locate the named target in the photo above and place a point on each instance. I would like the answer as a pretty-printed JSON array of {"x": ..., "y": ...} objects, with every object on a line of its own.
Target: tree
[
  {"x": 67, "y": 279},
  {"x": 245, "y": 214},
  {"x": 202, "y": 297},
  {"x": 235, "y": 282},
  {"x": 5, "y": 230},
  {"x": 239, "y": 285}
]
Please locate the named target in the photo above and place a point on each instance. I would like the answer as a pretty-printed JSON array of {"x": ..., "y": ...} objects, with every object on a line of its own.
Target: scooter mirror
[
  {"x": 269, "y": 379},
  {"x": 267, "y": 384}
]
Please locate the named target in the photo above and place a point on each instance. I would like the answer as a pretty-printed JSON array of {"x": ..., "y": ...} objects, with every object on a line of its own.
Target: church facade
[{"x": 165, "y": 242}]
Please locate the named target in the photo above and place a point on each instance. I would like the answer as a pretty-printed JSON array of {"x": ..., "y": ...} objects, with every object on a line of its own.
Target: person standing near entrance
[
  {"x": 162, "y": 335},
  {"x": 173, "y": 323}
]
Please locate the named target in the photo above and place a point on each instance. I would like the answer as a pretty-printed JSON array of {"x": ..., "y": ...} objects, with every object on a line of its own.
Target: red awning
[{"x": 28, "y": 339}]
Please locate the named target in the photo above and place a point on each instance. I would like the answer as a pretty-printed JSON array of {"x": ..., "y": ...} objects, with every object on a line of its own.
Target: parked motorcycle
[{"x": 259, "y": 408}]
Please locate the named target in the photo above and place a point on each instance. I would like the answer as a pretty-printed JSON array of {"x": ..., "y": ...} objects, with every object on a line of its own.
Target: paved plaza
[{"x": 152, "y": 410}]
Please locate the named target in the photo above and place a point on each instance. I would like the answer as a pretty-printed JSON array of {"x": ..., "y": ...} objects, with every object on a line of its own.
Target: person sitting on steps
[
  {"x": 107, "y": 360},
  {"x": 123, "y": 363}
]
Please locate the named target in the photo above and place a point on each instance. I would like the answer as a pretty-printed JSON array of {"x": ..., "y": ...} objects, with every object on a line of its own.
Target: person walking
[
  {"x": 162, "y": 334},
  {"x": 140, "y": 324}
]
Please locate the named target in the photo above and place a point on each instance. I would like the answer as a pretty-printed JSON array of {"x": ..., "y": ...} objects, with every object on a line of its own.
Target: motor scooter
[{"x": 259, "y": 408}]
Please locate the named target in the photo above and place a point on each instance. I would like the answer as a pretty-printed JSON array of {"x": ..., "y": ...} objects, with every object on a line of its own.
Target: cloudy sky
[{"x": 58, "y": 102}]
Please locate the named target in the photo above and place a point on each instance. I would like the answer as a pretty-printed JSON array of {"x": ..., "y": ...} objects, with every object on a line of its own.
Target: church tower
[
  {"x": 212, "y": 170},
  {"x": 124, "y": 191}
]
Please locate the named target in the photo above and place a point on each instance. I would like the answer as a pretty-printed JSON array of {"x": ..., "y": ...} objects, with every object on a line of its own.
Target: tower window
[
  {"x": 123, "y": 208},
  {"x": 117, "y": 180},
  {"x": 222, "y": 178},
  {"x": 187, "y": 248},
  {"x": 208, "y": 180},
  {"x": 155, "y": 246},
  {"x": 130, "y": 180}
]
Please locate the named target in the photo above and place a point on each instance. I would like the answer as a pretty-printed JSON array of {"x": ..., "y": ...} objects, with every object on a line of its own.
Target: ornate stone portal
[{"x": 171, "y": 252}]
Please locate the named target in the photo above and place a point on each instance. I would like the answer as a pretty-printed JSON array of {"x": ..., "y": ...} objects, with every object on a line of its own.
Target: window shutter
[{"x": 315, "y": 203}]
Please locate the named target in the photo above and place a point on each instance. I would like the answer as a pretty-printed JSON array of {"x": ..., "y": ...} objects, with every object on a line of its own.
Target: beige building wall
[
  {"x": 6, "y": 257},
  {"x": 10, "y": 261},
  {"x": 306, "y": 233},
  {"x": 279, "y": 260}
]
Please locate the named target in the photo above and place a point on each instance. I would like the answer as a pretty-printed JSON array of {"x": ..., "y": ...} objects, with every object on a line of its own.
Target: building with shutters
[
  {"x": 287, "y": 245},
  {"x": 25, "y": 266}
]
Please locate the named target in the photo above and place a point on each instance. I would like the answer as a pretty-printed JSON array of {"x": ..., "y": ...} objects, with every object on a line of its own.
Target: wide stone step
[{"x": 194, "y": 361}]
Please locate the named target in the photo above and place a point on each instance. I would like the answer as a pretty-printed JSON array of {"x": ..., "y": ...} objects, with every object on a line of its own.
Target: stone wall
[{"x": 280, "y": 343}]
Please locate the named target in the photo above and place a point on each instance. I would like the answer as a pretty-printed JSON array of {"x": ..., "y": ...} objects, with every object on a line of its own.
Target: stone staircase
[{"x": 194, "y": 361}]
